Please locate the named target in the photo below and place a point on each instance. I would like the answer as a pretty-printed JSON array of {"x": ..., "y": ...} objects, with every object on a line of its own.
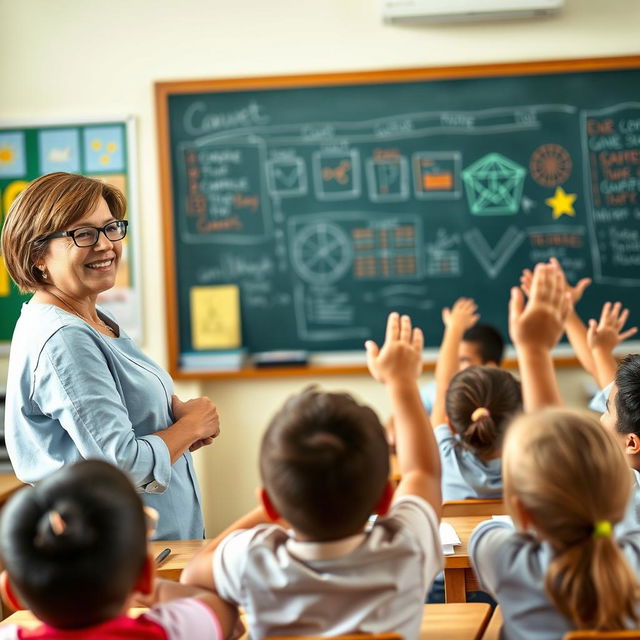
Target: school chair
[
  {"x": 627, "y": 634},
  {"x": 355, "y": 636},
  {"x": 492, "y": 632},
  {"x": 479, "y": 507}
]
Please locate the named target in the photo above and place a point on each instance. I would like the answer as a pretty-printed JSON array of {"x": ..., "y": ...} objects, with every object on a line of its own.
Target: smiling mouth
[{"x": 103, "y": 264}]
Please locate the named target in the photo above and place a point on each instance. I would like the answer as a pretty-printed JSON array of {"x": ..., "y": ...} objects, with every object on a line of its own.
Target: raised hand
[
  {"x": 540, "y": 323},
  {"x": 400, "y": 357},
  {"x": 576, "y": 291},
  {"x": 608, "y": 333},
  {"x": 462, "y": 315}
]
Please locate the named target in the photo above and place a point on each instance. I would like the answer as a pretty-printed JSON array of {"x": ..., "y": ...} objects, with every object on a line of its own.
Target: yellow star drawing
[{"x": 562, "y": 203}]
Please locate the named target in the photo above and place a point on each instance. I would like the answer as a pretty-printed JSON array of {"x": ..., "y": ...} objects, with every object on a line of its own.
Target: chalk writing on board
[
  {"x": 611, "y": 145},
  {"x": 387, "y": 176},
  {"x": 437, "y": 174},
  {"x": 443, "y": 255},
  {"x": 329, "y": 206}
]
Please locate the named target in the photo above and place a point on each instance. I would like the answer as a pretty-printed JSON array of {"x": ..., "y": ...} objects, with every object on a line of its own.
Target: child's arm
[
  {"x": 167, "y": 590},
  {"x": 398, "y": 365},
  {"x": 199, "y": 570},
  {"x": 535, "y": 329},
  {"x": 604, "y": 336},
  {"x": 456, "y": 321},
  {"x": 574, "y": 327}
]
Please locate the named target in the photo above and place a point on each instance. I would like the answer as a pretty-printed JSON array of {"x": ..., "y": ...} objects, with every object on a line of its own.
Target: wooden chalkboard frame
[{"x": 165, "y": 89}]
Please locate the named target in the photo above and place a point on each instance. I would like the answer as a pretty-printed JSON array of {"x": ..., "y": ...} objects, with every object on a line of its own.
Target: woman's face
[{"x": 83, "y": 272}]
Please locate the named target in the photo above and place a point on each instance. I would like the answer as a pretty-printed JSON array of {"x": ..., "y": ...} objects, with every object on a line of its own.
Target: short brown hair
[
  {"x": 49, "y": 204},
  {"x": 324, "y": 462}
]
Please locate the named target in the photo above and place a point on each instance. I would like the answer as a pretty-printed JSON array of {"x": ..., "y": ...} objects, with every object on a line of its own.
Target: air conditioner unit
[{"x": 415, "y": 11}]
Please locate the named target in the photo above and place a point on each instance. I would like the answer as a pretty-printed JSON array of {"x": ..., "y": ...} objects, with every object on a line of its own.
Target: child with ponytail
[
  {"x": 471, "y": 412},
  {"x": 480, "y": 403},
  {"x": 75, "y": 551},
  {"x": 562, "y": 569}
]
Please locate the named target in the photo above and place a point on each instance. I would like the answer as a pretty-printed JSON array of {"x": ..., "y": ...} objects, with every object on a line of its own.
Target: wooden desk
[
  {"x": 8, "y": 485},
  {"x": 181, "y": 552},
  {"x": 458, "y": 574},
  {"x": 492, "y": 632},
  {"x": 461, "y": 621}
]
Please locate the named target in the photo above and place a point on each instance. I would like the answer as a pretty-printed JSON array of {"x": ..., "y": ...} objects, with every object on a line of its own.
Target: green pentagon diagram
[{"x": 494, "y": 185}]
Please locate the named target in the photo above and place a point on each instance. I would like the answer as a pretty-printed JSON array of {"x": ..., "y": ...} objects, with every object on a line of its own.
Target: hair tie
[
  {"x": 479, "y": 413},
  {"x": 602, "y": 529},
  {"x": 57, "y": 524}
]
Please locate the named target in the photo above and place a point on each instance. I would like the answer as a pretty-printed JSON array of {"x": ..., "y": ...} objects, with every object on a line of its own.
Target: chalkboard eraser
[{"x": 291, "y": 358}]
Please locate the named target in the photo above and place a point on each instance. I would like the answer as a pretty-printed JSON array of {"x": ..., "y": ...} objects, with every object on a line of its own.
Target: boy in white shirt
[{"x": 325, "y": 467}]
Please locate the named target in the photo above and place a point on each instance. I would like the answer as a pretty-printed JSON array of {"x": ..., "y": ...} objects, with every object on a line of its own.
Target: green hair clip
[{"x": 602, "y": 529}]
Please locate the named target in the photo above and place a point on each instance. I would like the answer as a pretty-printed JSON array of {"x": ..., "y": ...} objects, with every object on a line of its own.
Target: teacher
[{"x": 77, "y": 385}]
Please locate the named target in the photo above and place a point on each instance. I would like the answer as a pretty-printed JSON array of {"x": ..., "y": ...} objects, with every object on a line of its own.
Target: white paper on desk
[{"x": 448, "y": 538}]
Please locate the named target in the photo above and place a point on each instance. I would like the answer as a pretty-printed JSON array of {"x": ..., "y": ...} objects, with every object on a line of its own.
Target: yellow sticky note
[
  {"x": 4, "y": 279},
  {"x": 215, "y": 317}
]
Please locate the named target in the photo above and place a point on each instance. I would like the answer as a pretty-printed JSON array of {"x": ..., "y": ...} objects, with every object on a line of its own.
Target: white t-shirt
[{"x": 369, "y": 583}]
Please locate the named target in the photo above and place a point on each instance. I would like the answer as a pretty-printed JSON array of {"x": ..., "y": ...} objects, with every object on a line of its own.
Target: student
[
  {"x": 480, "y": 403},
  {"x": 324, "y": 464},
  {"x": 562, "y": 568},
  {"x": 464, "y": 343},
  {"x": 75, "y": 551},
  {"x": 622, "y": 419}
]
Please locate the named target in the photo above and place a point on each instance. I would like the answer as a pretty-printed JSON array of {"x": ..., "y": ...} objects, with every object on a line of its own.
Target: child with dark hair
[
  {"x": 465, "y": 343},
  {"x": 325, "y": 470},
  {"x": 75, "y": 551},
  {"x": 472, "y": 409},
  {"x": 481, "y": 344},
  {"x": 622, "y": 418}
]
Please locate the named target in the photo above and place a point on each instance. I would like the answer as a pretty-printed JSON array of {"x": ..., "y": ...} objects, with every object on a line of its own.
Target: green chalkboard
[
  {"x": 331, "y": 200},
  {"x": 101, "y": 149}
]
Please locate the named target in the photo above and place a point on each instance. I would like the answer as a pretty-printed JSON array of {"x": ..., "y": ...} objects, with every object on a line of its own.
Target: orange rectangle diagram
[{"x": 437, "y": 181}]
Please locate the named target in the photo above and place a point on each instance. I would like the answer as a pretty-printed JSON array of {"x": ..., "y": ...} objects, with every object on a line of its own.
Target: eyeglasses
[{"x": 88, "y": 236}]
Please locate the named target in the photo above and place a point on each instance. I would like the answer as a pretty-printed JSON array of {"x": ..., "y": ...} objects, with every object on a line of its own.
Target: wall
[{"x": 83, "y": 58}]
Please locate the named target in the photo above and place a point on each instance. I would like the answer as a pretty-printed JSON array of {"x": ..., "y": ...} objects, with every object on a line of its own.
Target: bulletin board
[{"x": 103, "y": 149}]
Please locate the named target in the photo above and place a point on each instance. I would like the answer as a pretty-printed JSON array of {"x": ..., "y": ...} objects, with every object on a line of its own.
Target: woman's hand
[{"x": 199, "y": 414}]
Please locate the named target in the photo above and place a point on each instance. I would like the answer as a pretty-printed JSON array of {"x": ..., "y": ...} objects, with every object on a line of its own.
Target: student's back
[
  {"x": 480, "y": 402},
  {"x": 324, "y": 466},
  {"x": 562, "y": 569}
]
